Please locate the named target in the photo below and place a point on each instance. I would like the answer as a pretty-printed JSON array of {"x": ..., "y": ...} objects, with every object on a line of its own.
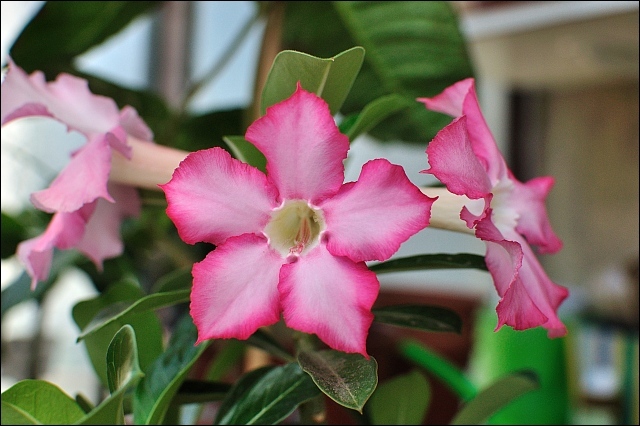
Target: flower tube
[
  {"x": 87, "y": 205},
  {"x": 506, "y": 214},
  {"x": 294, "y": 241}
]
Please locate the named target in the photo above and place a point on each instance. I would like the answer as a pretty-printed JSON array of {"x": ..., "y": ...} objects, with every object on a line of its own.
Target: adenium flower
[
  {"x": 506, "y": 214},
  {"x": 87, "y": 208},
  {"x": 294, "y": 241}
]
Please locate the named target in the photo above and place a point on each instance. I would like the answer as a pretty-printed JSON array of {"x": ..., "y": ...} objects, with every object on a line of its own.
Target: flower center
[{"x": 294, "y": 228}]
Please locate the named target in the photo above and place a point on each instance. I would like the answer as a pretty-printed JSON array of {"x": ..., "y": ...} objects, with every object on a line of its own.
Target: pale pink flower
[
  {"x": 506, "y": 214},
  {"x": 294, "y": 241},
  {"x": 77, "y": 195}
]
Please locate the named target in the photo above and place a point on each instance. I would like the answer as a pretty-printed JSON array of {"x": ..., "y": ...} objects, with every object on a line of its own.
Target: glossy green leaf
[
  {"x": 123, "y": 313},
  {"x": 401, "y": 400},
  {"x": 414, "y": 49},
  {"x": 329, "y": 78},
  {"x": 123, "y": 372},
  {"x": 431, "y": 261},
  {"x": 62, "y": 30},
  {"x": 146, "y": 324},
  {"x": 452, "y": 376},
  {"x": 266, "y": 342},
  {"x": 165, "y": 375},
  {"x": 499, "y": 394},
  {"x": 348, "y": 379},
  {"x": 38, "y": 402},
  {"x": 373, "y": 113},
  {"x": 428, "y": 318},
  {"x": 246, "y": 152},
  {"x": 267, "y": 396}
]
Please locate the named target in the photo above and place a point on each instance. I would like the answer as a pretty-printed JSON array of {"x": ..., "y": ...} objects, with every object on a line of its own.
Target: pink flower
[
  {"x": 87, "y": 209},
  {"x": 506, "y": 214},
  {"x": 294, "y": 241}
]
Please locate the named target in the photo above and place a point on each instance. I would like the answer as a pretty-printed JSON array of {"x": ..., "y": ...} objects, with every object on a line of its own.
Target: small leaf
[
  {"x": 38, "y": 402},
  {"x": 267, "y": 396},
  {"x": 246, "y": 152},
  {"x": 144, "y": 304},
  {"x": 496, "y": 396},
  {"x": 330, "y": 78},
  {"x": 164, "y": 377},
  {"x": 450, "y": 375},
  {"x": 348, "y": 379},
  {"x": 429, "y": 318},
  {"x": 402, "y": 400},
  {"x": 373, "y": 113},
  {"x": 431, "y": 261}
]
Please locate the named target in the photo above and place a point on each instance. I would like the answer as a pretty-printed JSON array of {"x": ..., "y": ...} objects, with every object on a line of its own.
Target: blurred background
[{"x": 558, "y": 84}]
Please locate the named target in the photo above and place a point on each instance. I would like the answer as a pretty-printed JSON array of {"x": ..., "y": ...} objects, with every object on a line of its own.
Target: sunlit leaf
[
  {"x": 165, "y": 375},
  {"x": 401, "y": 400},
  {"x": 499, "y": 394},
  {"x": 267, "y": 396},
  {"x": 38, "y": 402},
  {"x": 431, "y": 261},
  {"x": 428, "y": 318},
  {"x": 125, "y": 312},
  {"x": 452, "y": 376},
  {"x": 348, "y": 379},
  {"x": 329, "y": 78}
]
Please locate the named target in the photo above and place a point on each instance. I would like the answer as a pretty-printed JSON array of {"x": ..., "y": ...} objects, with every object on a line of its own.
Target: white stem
[
  {"x": 150, "y": 165},
  {"x": 445, "y": 212}
]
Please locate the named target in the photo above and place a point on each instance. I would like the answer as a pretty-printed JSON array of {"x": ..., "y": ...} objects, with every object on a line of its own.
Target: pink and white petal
[
  {"x": 68, "y": 99},
  {"x": 102, "y": 239},
  {"x": 82, "y": 181},
  {"x": 235, "y": 289},
  {"x": 134, "y": 125},
  {"x": 303, "y": 146},
  {"x": 330, "y": 296},
  {"x": 529, "y": 201},
  {"x": 453, "y": 161},
  {"x": 451, "y": 100},
  {"x": 517, "y": 310},
  {"x": 212, "y": 197},
  {"x": 371, "y": 218},
  {"x": 64, "y": 231}
]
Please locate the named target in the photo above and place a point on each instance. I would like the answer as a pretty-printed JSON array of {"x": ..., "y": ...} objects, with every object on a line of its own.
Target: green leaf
[
  {"x": 178, "y": 279},
  {"x": 402, "y": 400},
  {"x": 373, "y": 113},
  {"x": 330, "y": 78},
  {"x": 164, "y": 377},
  {"x": 246, "y": 152},
  {"x": 193, "y": 391},
  {"x": 146, "y": 324},
  {"x": 428, "y": 318},
  {"x": 13, "y": 232},
  {"x": 38, "y": 402},
  {"x": 62, "y": 30},
  {"x": 431, "y": 261},
  {"x": 450, "y": 375},
  {"x": 267, "y": 396},
  {"x": 348, "y": 379},
  {"x": 414, "y": 49},
  {"x": 266, "y": 342},
  {"x": 123, "y": 372},
  {"x": 123, "y": 313},
  {"x": 496, "y": 396}
]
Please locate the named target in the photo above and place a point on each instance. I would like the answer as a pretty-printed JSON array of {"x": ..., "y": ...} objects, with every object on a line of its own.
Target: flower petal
[
  {"x": 529, "y": 201},
  {"x": 235, "y": 289},
  {"x": 451, "y": 100},
  {"x": 101, "y": 239},
  {"x": 82, "y": 181},
  {"x": 371, "y": 218},
  {"x": 213, "y": 197},
  {"x": 303, "y": 146},
  {"x": 330, "y": 296},
  {"x": 453, "y": 162}
]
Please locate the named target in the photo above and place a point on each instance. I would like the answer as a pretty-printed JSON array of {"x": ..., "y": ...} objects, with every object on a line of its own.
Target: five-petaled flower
[
  {"x": 87, "y": 207},
  {"x": 293, "y": 241},
  {"x": 505, "y": 213}
]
